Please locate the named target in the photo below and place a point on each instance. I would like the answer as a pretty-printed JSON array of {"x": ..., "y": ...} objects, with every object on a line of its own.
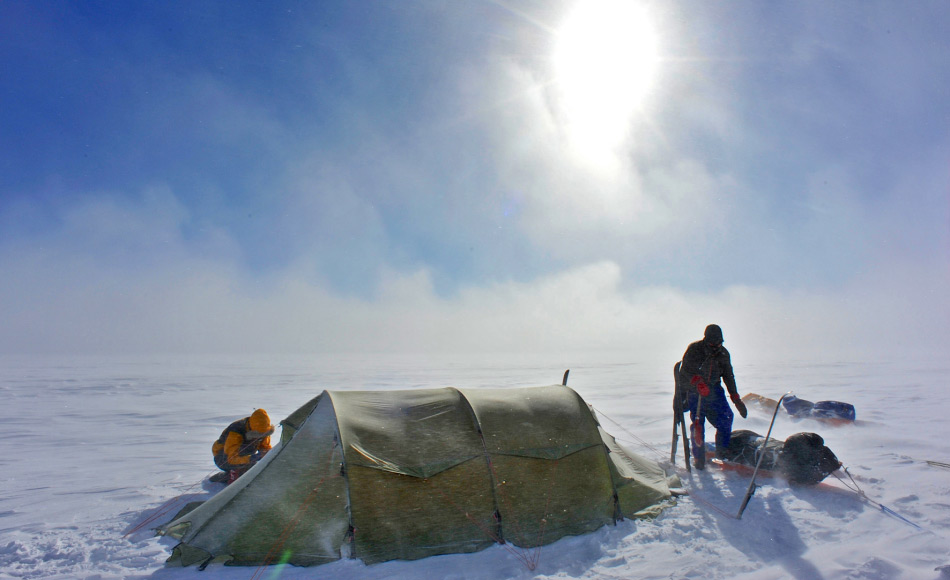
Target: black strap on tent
[
  {"x": 498, "y": 535},
  {"x": 544, "y": 519},
  {"x": 615, "y": 497},
  {"x": 530, "y": 557},
  {"x": 520, "y": 553}
]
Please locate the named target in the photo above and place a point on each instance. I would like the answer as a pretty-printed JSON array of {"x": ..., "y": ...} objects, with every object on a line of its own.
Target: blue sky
[{"x": 373, "y": 176}]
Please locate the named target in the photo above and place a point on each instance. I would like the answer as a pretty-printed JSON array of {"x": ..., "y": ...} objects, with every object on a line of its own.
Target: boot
[
  {"x": 235, "y": 473},
  {"x": 699, "y": 459},
  {"x": 220, "y": 477}
]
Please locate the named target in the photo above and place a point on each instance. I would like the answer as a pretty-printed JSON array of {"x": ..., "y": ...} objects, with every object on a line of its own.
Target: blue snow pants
[{"x": 715, "y": 409}]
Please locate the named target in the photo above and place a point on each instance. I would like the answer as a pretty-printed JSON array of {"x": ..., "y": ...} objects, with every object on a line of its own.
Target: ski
[
  {"x": 679, "y": 423},
  {"x": 676, "y": 439},
  {"x": 751, "y": 490}
]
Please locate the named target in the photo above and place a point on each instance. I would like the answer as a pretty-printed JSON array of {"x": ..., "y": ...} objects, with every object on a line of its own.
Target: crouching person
[{"x": 241, "y": 445}]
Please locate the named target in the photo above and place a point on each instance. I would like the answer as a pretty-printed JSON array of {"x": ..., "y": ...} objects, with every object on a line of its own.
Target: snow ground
[{"x": 95, "y": 447}]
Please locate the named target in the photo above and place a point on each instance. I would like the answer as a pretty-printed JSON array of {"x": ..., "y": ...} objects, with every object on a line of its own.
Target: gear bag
[{"x": 802, "y": 459}]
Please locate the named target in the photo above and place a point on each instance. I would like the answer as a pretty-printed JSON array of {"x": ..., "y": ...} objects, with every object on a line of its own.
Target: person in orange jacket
[{"x": 242, "y": 444}]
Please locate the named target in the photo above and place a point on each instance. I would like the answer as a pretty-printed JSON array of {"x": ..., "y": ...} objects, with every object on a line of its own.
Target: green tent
[{"x": 385, "y": 475}]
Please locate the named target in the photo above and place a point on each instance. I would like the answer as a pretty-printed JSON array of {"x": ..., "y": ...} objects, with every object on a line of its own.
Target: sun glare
[{"x": 605, "y": 61}]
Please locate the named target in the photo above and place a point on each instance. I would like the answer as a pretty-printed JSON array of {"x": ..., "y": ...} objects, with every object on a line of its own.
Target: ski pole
[{"x": 751, "y": 490}]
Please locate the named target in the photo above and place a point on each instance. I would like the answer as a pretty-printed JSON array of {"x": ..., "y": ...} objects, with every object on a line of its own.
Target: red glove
[
  {"x": 700, "y": 385},
  {"x": 740, "y": 406}
]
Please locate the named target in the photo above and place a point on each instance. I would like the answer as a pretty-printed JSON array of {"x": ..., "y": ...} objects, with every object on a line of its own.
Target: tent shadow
[{"x": 142, "y": 523}]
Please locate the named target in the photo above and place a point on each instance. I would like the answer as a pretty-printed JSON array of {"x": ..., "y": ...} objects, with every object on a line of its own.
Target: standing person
[
  {"x": 705, "y": 363},
  {"x": 241, "y": 445}
]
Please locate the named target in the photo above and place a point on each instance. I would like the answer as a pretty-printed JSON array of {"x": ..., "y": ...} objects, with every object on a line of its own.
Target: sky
[{"x": 474, "y": 176}]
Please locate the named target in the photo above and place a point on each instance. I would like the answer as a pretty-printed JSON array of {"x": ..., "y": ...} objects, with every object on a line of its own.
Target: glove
[
  {"x": 740, "y": 406},
  {"x": 700, "y": 385}
]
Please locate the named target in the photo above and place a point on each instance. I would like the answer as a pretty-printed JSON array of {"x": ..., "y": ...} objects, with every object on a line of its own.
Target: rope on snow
[
  {"x": 170, "y": 505},
  {"x": 856, "y": 489}
]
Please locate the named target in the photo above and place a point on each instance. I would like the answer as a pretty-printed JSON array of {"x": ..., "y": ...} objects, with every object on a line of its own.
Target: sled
[
  {"x": 802, "y": 459},
  {"x": 833, "y": 412},
  {"x": 828, "y": 412}
]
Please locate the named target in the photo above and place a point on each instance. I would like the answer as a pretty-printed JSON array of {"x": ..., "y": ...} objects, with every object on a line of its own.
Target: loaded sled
[
  {"x": 802, "y": 459},
  {"x": 831, "y": 412}
]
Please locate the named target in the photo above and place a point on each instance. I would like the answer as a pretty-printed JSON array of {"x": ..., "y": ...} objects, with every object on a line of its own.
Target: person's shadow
[{"x": 778, "y": 540}]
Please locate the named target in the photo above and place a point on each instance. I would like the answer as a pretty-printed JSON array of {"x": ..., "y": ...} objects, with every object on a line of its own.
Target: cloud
[{"x": 79, "y": 292}]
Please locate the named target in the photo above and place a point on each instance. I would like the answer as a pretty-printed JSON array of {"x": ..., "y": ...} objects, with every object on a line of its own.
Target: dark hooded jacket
[{"x": 712, "y": 365}]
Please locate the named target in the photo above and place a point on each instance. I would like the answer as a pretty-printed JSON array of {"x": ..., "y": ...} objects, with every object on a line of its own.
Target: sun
[{"x": 605, "y": 61}]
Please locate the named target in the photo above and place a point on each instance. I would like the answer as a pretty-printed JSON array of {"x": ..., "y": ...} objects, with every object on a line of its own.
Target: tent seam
[
  {"x": 346, "y": 479},
  {"x": 606, "y": 454},
  {"x": 488, "y": 465}
]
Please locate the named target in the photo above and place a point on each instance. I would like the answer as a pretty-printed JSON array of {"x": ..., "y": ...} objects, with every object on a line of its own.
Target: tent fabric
[{"x": 384, "y": 475}]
